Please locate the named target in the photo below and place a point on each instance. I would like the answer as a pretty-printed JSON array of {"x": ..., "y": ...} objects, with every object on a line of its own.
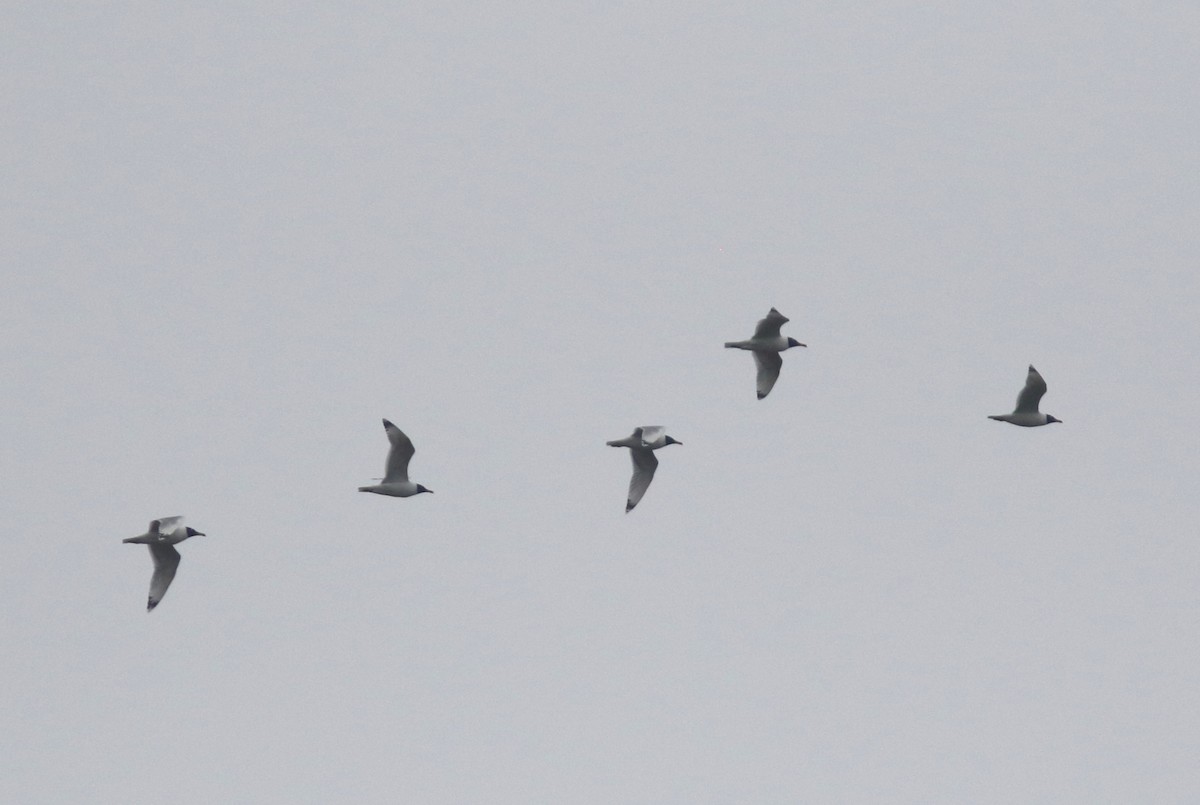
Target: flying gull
[
  {"x": 642, "y": 443},
  {"x": 1026, "y": 414},
  {"x": 766, "y": 344},
  {"x": 395, "y": 477},
  {"x": 162, "y": 537}
]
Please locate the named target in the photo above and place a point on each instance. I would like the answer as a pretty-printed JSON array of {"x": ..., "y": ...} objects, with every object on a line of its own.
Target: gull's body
[
  {"x": 766, "y": 344},
  {"x": 162, "y": 536},
  {"x": 395, "y": 476},
  {"x": 1026, "y": 413},
  {"x": 642, "y": 443}
]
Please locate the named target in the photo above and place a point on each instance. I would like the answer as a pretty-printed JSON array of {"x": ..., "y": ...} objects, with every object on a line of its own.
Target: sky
[{"x": 236, "y": 236}]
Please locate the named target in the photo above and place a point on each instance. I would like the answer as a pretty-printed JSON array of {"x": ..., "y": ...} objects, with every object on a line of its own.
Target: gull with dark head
[
  {"x": 1026, "y": 413},
  {"x": 766, "y": 344},
  {"x": 642, "y": 443},
  {"x": 395, "y": 476},
  {"x": 162, "y": 537}
]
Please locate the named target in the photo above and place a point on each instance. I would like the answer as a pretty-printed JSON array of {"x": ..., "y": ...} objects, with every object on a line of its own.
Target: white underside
[
  {"x": 1025, "y": 420},
  {"x": 404, "y": 489},
  {"x": 760, "y": 345}
]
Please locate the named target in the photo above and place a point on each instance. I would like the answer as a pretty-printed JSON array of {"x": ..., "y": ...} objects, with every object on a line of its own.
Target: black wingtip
[
  {"x": 387, "y": 423},
  {"x": 151, "y": 604},
  {"x": 629, "y": 504},
  {"x": 761, "y": 395}
]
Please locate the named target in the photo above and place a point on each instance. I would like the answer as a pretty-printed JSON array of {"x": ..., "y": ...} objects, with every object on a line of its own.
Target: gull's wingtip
[
  {"x": 151, "y": 604},
  {"x": 629, "y": 504},
  {"x": 761, "y": 395}
]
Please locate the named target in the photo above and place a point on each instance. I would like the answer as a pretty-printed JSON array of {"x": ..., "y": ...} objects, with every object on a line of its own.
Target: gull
[
  {"x": 162, "y": 537},
  {"x": 642, "y": 443},
  {"x": 395, "y": 476},
  {"x": 1026, "y": 413},
  {"x": 766, "y": 344}
]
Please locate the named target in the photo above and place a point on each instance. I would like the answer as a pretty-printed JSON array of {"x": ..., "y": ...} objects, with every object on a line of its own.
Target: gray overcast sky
[{"x": 236, "y": 236}]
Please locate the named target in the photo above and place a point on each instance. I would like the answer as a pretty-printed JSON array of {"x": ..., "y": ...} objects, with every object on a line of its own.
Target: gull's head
[
  {"x": 670, "y": 441},
  {"x": 191, "y": 532},
  {"x": 421, "y": 489},
  {"x": 794, "y": 343},
  {"x": 1050, "y": 419}
]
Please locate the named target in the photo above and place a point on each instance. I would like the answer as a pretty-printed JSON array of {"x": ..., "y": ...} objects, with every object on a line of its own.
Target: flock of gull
[{"x": 766, "y": 344}]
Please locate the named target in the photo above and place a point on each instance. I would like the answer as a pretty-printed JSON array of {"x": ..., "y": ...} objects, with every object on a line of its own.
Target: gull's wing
[
  {"x": 165, "y": 526},
  {"x": 1031, "y": 395},
  {"x": 768, "y": 364},
  {"x": 399, "y": 456},
  {"x": 633, "y": 440},
  {"x": 653, "y": 435},
  {"x": 166, "y": 561},
  {"x": 644, "y": 465},
  {"x": 769, "y": 326}
]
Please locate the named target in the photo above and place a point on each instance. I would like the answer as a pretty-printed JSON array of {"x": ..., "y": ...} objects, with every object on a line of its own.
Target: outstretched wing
[
  {"x": 644, "y": 465},
  {"x": 633, "y": 440},
  {"x": 165, "y": 526},
  {"x": 1031, "y": 395},
  {"x": 399, "y": 455},
  {"x": 769, "y": 327},
  {"x": 166, "y": 561},
  {"x": 768, "y": 364}
]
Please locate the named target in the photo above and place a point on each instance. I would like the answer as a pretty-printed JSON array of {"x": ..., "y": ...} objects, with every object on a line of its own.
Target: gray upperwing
[
  {"x": 399, "y": 455},
  {"x": 644, "y": 465},
  {"x": 635, "y": 440},
  {"x": 769, "y": 364},
  {"x": 166, "y": 562},
  {"x": 1031, "y": 395},
  {"x": 768, "y": 327}
]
